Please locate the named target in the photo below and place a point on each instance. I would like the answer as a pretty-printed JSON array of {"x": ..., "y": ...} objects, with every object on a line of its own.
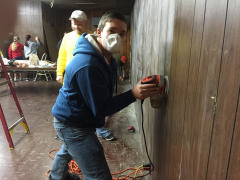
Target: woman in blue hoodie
[{"x": 86, "y": 98}]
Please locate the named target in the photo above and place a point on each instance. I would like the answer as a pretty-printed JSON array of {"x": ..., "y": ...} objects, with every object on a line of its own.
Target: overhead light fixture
[
  {"x": 51, "y": 3},
  {"x": 85, "y": 3}
]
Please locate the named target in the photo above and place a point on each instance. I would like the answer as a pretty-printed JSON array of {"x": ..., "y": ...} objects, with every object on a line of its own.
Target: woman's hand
[{"x": 142, "y": 91}]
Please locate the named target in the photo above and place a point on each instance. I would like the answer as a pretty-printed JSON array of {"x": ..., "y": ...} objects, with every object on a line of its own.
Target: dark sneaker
[
  {"x": 56, "y": 137},
  {"x": 70, "y": 176},
  {"x": 109, "y": 137},
  {"x": 106, "y": 134}
]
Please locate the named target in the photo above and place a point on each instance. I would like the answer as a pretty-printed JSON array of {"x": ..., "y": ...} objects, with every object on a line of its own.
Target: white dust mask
[{"x": 113, "y": 43}]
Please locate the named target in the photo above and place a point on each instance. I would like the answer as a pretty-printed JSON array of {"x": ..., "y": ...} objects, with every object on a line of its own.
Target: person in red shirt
[{"x": 15, "y": 52}]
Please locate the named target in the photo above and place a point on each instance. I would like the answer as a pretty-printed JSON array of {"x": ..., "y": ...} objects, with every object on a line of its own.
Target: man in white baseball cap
[
  {"x": 79, "y": 15},
  {"x": 79, "y": 25}
]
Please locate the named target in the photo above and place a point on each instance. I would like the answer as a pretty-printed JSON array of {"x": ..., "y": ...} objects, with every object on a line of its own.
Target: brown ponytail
[{"x": 14, "y": 44}]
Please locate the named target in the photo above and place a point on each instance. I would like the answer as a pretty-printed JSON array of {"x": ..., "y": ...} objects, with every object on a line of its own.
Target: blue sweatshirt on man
[{"x": 87, "y": 94}]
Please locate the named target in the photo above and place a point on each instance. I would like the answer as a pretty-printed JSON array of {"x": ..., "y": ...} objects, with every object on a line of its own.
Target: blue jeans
[{"x": 82, "y": 145}]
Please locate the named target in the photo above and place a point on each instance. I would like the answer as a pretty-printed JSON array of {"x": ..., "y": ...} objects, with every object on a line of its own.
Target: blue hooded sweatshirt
[{"x": 87, "y": 94}]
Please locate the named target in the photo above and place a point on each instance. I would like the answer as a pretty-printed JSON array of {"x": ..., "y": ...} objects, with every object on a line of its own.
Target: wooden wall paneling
[
  {"x": 227, "y": 99},
  {"x": 163, "y": 158},
  {"x": 32, "y": 29},
  {"x": 234, "y": 161},
  {"x": 20, "y": 26},
  {"x": 177, "y": 93},
  {"x": 142, "y": 57},
  {"x": 176, "y": 35},
  {"x": 30, "y": 21},
  {"x": 34, "y": 19},
  {"x": 194, "y": 160},
  {"x": 27, "y": 15},
  {"x": 151, "y": 33},
  {"x": 169, "y": 14},
  {"x": 207, "y": 82},
  {"x": 30, "y": 15},
  {"x": 162, "y": 126},
  {"x": 38, "y": 23},
  {"x": 184, "y": 135}
]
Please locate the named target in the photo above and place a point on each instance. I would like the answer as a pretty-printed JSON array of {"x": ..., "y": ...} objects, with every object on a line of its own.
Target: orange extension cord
[{"x": 73, "y": 168}]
